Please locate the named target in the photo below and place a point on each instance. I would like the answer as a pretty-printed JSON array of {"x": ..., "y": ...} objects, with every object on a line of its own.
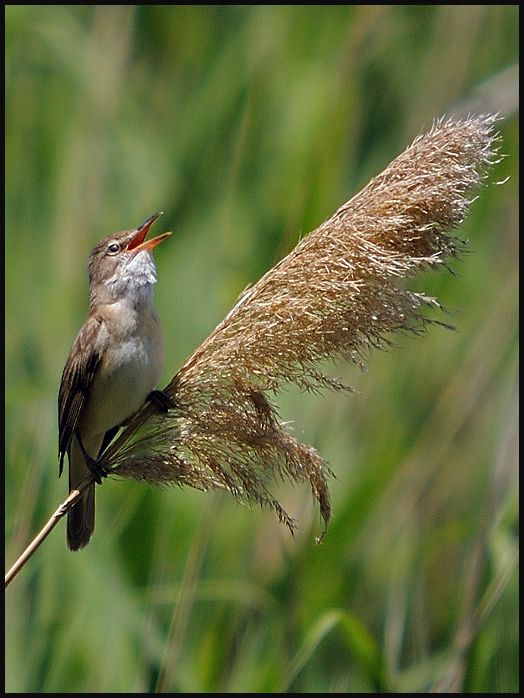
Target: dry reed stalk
[{"x": 336, "y": 295}]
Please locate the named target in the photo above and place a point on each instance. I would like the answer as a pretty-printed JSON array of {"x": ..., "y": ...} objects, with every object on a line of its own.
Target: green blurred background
[{"x": 248, "y": 126}]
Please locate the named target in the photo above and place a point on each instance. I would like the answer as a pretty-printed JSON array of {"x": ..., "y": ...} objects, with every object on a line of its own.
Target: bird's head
[{"x": 122, "y": 264}]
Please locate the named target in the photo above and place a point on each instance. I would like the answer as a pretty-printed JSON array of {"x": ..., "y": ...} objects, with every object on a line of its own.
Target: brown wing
[{"x": 76, "y": 378}]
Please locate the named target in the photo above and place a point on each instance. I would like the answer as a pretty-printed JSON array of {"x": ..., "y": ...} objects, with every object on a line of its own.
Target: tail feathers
[
  {"x": 81, "y": 516},
  {"x": 81, "y": 520}
]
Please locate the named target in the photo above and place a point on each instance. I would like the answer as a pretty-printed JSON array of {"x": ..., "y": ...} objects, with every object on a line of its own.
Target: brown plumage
[{"x": 113, "y": 365}]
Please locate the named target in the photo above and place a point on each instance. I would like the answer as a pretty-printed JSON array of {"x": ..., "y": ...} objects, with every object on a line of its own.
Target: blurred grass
[{"x": 248, "y": 126}]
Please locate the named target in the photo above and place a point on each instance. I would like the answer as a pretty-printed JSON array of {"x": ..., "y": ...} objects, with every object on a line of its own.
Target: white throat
[
  {"x": 132, "y": 283},
  {"x": 135, "y": 279}
]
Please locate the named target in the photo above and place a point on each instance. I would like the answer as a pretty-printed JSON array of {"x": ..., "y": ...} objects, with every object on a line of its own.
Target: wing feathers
[{"x": 78, "y": 373}]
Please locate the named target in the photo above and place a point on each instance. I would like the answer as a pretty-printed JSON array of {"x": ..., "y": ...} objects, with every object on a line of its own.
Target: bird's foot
[
  {"x": 160, "y": 400},
  {"x": 98, "y": 469}
]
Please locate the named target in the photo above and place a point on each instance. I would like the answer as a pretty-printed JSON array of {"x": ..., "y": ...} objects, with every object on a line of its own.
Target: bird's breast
[{"x": 131, "y": 363}]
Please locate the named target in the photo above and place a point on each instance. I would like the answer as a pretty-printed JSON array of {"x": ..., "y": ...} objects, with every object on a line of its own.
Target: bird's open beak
[{"x": 138, "y": 243}]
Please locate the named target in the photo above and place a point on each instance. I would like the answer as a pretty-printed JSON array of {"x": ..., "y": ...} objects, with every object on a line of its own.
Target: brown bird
[{"x": 113, "y": 366}]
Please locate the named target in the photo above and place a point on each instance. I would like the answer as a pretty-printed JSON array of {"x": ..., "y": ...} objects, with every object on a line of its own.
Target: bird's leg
[
  {"x": 160, "y": 400},
  {"x": 108, "y": 437},
  {"x": 97, "y": 468}
]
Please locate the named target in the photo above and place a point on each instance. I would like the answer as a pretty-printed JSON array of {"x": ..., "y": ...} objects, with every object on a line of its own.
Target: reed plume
[{"x": 335, "y": 296}]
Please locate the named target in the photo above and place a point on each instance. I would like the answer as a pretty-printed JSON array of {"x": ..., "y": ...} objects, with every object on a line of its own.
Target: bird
[{"x": 113, "y": 366}]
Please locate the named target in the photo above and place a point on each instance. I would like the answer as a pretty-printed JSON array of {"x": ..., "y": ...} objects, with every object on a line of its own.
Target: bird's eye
[{"x": 113, "y": 248}]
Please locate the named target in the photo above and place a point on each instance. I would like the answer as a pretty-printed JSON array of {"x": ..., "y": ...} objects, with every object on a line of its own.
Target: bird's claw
[
  {"x": 161, "y": 400},
  {"x": 98, "y": 469}
]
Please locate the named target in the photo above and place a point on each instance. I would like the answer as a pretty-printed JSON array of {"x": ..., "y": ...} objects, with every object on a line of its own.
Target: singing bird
[{"x": 113, "y": 366}]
